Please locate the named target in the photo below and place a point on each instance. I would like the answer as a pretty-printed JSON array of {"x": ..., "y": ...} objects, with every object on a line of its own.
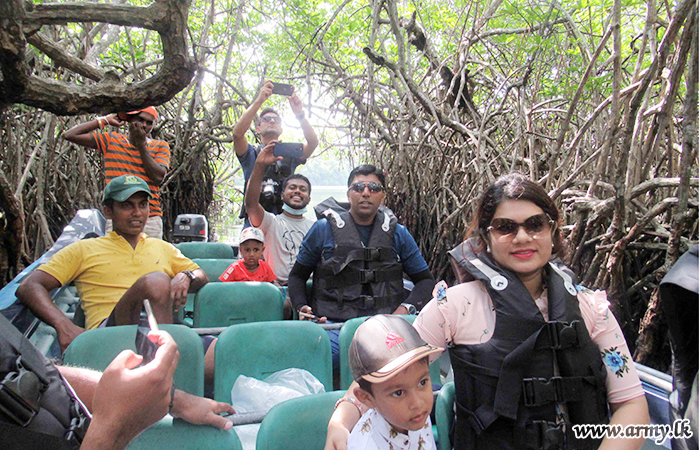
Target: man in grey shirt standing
[{"x": 283, "y": 232}]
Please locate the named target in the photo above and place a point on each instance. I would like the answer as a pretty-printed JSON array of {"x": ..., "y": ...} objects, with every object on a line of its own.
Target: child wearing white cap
[
  {"x": 389, "y": 361},
  {"x": 250, "y": 267}
]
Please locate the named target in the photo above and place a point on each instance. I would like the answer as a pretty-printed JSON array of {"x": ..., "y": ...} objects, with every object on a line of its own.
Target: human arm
[
  {"x": 309, "y": 133},
  {"x": 138, "y": 138},
  {"x": 255, "y": 211},
  {"x": 81, "y": 134},
  {"x": 240, "y": 143},
  {"x": 35, "y": 293},
  {"x": 181, "y": 285},
  {"x": 297, "y": 286},
  {"x": 128, "y": 399},
  {"x": 415, "y": 267},
  {"x": 625, "y": 394},
  {"x": 201, "y": 411},
  {"x": 631, "y": 412},
  {"x": 423, "y": 284},
  {"x": 342, "y": 422}
]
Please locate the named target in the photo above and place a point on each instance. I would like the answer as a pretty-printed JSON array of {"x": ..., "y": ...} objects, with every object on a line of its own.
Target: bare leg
[{"x": 154, "y": 286}]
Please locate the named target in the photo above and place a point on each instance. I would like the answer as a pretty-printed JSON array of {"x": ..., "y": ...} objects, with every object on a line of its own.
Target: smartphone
[
  {"x": 291, "y": 149},
  {"x": 308, "y": 316},
  {"x": 144, "y": 346},
  {"x": 282, "y": 89}
]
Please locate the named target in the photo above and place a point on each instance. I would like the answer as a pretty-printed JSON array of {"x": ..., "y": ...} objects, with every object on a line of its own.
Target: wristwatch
[
  {"x": 191, "y": 276},
  {"x": 411, "y": 308}
]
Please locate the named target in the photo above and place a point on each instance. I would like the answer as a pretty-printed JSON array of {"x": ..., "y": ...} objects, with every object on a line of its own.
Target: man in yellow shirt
[{"x": 115, "y": 273}]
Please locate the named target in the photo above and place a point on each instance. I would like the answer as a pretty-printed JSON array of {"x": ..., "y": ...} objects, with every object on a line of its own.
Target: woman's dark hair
[{"x": 513, "y": 186}]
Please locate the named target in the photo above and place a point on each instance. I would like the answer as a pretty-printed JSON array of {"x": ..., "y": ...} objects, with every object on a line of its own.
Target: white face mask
[{"x": 292, "y": 211}]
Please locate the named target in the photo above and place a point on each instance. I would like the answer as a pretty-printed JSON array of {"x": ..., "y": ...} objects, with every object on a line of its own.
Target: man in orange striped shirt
[{"x": 135, "y": 154}]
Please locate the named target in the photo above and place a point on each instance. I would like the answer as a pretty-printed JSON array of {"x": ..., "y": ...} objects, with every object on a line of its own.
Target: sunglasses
[
  {"x": 533, "y": 225},
  {"x": 272, "y": 119},
  {"x": 373, "y": 187}
]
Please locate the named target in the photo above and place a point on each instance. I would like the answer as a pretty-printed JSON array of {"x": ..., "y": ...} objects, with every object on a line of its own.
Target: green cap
[{"x": 125, "y": 186}]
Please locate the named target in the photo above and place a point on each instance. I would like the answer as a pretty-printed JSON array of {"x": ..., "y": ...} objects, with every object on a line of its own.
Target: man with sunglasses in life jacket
[
  {"x": 358, "y": 258},
  {"x": 269, "y": 126}
]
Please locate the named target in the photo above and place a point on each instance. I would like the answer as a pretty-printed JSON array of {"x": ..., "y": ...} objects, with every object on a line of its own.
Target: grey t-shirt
[{"x": 283, "y": 236}]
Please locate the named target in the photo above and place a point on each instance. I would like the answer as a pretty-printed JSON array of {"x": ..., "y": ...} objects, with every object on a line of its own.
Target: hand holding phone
[
  {"x": 289, "y": 149},
  {"x": 144, "y": 346},
  {"x": 282, "y": 89},
  {"x": 307, "y": 316}
]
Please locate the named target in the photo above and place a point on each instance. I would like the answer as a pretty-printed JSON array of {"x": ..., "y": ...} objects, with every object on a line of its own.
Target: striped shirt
[{"x": 122, "y": 158}]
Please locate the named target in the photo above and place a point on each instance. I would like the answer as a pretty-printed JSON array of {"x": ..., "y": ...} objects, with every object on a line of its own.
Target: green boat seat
[
  {"x": 298, "y": 424},
  {"x": 97, "y": 348},
  {"x": 176, "y": 434},
  {"x": 445, "y": 415},
  {"x": 186, "y": 311},
  {"x": 260, "y": 349},
  {"x": 213, "y": 250},
  {"x": 225, "y": 304},
  {"x": 214, "y": 267},
  {"x": 345, "y": 337}
]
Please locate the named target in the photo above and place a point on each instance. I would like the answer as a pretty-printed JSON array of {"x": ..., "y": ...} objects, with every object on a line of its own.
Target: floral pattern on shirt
[
  {"x": 366, "y": 427},
  {"x": 616, "y": 362}
]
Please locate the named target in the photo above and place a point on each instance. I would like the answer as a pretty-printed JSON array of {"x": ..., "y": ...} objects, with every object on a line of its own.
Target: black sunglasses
[
  {"x": 272, "y": 119},
  {"x": 373, "y": 186},
  {"x": 533, "y": 225}
]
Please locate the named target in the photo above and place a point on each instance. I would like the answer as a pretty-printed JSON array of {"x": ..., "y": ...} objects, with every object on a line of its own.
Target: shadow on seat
[
  {"x": 97, "y": 348},
  {"x": 175, "y": 434},
  {"x": 345, "y": 337},
  {"x": 298, "y": 424},
  {"x": 260, "y": 349},
  {"x": 213, "y": 250},
  {"x": 225, "y": 304}
]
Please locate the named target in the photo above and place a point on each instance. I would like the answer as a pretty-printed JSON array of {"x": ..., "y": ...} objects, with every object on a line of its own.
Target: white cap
[{"x": 252, "y": 233}]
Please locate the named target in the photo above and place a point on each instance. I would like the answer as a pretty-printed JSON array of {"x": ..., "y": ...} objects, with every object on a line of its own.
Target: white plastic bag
[{"x": 252, "y": 395}]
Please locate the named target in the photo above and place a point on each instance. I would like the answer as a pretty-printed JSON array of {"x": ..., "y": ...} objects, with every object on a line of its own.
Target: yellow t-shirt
[{"x": 104, "y": 268}]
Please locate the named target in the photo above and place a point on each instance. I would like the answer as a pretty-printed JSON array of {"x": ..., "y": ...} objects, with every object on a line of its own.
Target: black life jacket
[
  {"x": 38, "y": 408},
  {"x": 507, "y": 388},
  {"x": 679, "y": 301},
  {"x": 357, "y": 280}
]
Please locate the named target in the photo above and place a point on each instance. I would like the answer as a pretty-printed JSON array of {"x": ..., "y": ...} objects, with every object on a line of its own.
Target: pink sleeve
[
  {"x": 431, "y": 323},
  {"x": 622, "y": 382}
]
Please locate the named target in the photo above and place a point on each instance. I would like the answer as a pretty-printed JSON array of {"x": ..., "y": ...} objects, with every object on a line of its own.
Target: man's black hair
[
  {"x": 366, "y": 169},
  {"x": 263, "y": 112},
  {"x": 108, "y": 203},
  {"x": 296, "y": 176}
]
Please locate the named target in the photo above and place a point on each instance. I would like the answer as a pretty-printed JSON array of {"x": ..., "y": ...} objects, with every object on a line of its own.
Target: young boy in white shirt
[{"x": 389, "y": 361}]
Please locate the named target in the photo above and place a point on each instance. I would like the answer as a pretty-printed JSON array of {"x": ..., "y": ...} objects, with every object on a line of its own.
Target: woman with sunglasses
[{"x": 533, "y": 353}]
